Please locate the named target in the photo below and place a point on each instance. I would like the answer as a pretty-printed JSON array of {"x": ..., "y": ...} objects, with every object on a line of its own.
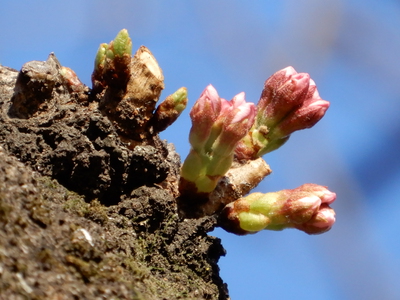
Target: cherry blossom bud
[
  {"x": 283, "y": 92},
  {"x": 320, "y": 222},
  {"x": 311, "y": 111},
  {"x": 238, "y": 118},
  {"x": 217, "y": 126},
  {"x": 290, "y": 101},
  {"x": 305, "y": 208},
  {"x": 204, "y": 114}
]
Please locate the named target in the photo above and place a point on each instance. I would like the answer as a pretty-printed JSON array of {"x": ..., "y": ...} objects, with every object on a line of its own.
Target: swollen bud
[
  {"x": 170, "y": 109},
  {"x": 289, "y": 102},
  {"x": 122, "y": 44},
  {"x": 204, "y": 113},
  {"x": 112, "y": 62},
  {"x": 217, "y": 127},
  {"x": 305, "y": 208},
  {"x": 100, "y": 57}
]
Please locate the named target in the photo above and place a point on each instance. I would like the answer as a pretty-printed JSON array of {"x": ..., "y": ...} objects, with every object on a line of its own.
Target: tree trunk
[{"x": 84, "y": 214}]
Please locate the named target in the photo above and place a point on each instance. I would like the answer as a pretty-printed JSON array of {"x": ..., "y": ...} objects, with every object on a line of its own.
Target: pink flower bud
[
  {"x": 204, "y": 114},
  {"x": 320, "y": 222},
  {"x": 321, "y": 191},
  {"x": 237, "y": 118},
  {"x": 243, "y": 110},
  {"x": 283, "y": 92},
  {"x": 311, "y": 111},
  {"x": 290, "y": 101},
  {"x": 217, "y": 126},
  {"x": 272, "y": 84},
  {"x": 305, "y": 208},
  {"x": 305, "y": 201},
  {"x": 299, "y": 210}
]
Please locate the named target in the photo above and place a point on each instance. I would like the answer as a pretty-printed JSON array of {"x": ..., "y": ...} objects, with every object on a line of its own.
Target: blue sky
[{"x": 350, "y": 48}]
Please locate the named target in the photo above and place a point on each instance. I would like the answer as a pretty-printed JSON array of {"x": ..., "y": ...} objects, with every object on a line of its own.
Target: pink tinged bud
[
  {"x": 209, "y": 97},
  {"x": 204, "y": 114},
  {"x": 272, "y": 84},
  {"x": 305, "y": 208},
  {"x": 320, "y": 191},
  {"x": 283, "y": 92},
  {"x": 217, "y": 126},
  {"x": 237, "y": 121},
  {"x": 289, "y": 102},
  {"x": 306, "y": 116},
  {"x": 322, "y": 217},
  {"x": 243, "y": 110},
  {"x": 302, "y": 209},
  {"x": 320, "y": 222}
]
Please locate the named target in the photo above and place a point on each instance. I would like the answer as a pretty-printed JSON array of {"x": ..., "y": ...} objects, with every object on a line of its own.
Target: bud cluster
[
  {"x": 112, "y": 62},
  {"x": 305, "y": 208},
  {"x": 289, "y": 102},
  {"x": 217, "y": 126},
  {"x": 225, "y": 136}
]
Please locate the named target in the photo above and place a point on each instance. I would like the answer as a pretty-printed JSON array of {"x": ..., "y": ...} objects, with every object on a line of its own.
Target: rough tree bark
[{"x": 85, "y": 214}]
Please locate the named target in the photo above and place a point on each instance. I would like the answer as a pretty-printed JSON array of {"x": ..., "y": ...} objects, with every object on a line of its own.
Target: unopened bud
[
  {"x": 111, "y": 66},
  {"x": 217, "y": 126},
  {"x": 122, "y": 44},
  {"x": 305, "y": 208},
  {"x": 289, "y": 102},
  {"x": 204, "y": 113},
  {"x": 170, "y": 109},
  {"x": 100, "y": 57},
  {"x": 320, "y": 222},
  {"x": 306, "y": 116}
]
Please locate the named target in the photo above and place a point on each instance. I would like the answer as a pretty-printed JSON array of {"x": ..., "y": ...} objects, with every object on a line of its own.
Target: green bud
[
  {"x": 170, "y": 109},
  {"x": 109, "y": 53},
  {"x": 180, "y": 99},
  {"x": 112, "y": 62},
  {"x": 305, "y": 208},
  {"x": 100, "y": 56},
  {"x": 122, "y": 44}
]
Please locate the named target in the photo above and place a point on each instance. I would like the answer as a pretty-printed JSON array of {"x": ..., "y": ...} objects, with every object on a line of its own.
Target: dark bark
[{"x": 86, "y": 214}]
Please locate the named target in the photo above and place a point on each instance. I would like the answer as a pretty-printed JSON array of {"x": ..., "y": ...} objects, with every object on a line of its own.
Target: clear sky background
[{"x": 350, "y": 48}]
